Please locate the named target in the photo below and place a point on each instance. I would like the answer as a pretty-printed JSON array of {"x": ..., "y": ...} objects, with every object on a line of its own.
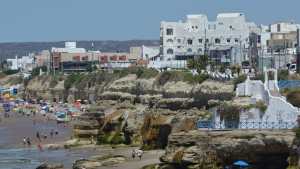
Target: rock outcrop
[
  {"x": 50, "y": 166},
  {"x": 217, "y": 149},
  {"x": 99, "y": 161}
]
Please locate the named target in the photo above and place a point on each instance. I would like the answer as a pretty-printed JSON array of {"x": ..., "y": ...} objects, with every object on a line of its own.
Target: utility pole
[
  {"x": 298, "y": 51},
  {"x": 93, "y": 59}
]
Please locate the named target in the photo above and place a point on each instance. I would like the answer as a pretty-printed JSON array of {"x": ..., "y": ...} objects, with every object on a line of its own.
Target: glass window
[
  {"x": 200, "y": 40},
  {"x": 228, "y": 40},
  {"x": 170, "y": 40},
  {"x": 190, "y": 41},
  {"x": 190, "y": 50},
  {"x": 170, "y": 51},
  {"x": 169, "y": 31},
  {"x": 236, "y": 40},
  {"x": 217, "y": 40}
]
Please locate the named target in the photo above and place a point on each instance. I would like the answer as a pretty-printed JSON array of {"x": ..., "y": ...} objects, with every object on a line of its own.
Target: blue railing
[
  {"x": 245, "y": 125},
  {"x": 282, "y": 84}
]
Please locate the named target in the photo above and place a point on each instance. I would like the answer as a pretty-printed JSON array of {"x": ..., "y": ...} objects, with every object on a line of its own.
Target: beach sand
[{"x": 16, "y": 127}]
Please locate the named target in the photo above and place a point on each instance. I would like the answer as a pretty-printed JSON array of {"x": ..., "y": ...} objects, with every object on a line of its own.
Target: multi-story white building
[
  {"x": 225, "y": 39},
  {"x": 25, "y": 63}
]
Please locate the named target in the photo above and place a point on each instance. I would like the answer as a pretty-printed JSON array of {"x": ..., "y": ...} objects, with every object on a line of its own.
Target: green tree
[
  {"x": 222, "y": 68},
  {"x": 199, "y": 63}
]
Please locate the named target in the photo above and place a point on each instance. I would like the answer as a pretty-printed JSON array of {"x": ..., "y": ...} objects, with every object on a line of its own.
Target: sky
[{"x": 59, "y": 20}]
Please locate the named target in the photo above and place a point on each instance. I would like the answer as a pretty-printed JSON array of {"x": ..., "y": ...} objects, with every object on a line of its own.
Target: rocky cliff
[
  {"x": 142, "y": 107},
  {"x": 217, "y": 149}
]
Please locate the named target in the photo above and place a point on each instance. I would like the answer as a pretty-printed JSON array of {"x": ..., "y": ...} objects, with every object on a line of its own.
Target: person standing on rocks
[{"x": 133, "y": 154}]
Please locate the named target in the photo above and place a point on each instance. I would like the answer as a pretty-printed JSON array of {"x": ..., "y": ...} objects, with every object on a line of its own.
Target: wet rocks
[
  {"x": 50, "y": 166},
  {"x": 99, "y": 161}
]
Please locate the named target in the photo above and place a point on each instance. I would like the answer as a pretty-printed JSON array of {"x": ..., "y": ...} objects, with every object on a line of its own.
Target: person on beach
[
  {"x": 28, "y": 142},
  {"x": 24, "y": 141},
  {"x": 38, "y": 136},
  {"x": 51, "y": 133},
  {"x": 40, "y": 147},
  {"x": 139, "y": 153}
]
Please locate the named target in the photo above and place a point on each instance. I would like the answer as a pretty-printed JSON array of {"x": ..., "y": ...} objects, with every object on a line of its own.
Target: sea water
[{"x": 30, "y": 158}]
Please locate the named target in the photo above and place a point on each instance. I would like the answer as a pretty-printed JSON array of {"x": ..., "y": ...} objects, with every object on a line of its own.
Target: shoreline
[{"x": 16, "y": 127}]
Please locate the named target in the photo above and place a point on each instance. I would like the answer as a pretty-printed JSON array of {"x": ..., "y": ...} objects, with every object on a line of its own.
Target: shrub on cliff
[
  {"x": 36, "y": 71},
  {"x": 140, "y": 72},
  {"x": 293, "y": 96},
  {"x": 239, "y": 80},
  {"x": 72, "y": 80},
  {"x": 175, "y": 76},
  {"x": 11, "y": 72}
]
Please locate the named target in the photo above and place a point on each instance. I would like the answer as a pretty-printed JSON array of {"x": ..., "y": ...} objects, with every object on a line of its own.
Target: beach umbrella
[{"x": 241, "y": 164}]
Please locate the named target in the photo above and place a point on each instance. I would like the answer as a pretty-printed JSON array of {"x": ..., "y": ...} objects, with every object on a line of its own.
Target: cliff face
[
  {"x": 217, "y": 149},
  {"x": 153, "y": 107}
]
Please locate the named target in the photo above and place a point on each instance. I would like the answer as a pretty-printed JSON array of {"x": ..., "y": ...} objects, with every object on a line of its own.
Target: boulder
[{"x": 99, "y": 161}]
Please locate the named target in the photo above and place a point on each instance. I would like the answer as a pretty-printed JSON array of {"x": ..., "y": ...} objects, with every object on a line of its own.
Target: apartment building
[{"x": 224, "y": 40}]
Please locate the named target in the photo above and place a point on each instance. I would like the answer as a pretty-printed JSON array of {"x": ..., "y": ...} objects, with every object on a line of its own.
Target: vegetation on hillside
[
  {"x": 36, "y": 71},
  {"x": 238, "y": 80},
  {"x": 175, "y": 76},
  {"x": 292, "y": 96},
  {"x": 140, "y": 72},
  {"x": 11, "y": 72}
]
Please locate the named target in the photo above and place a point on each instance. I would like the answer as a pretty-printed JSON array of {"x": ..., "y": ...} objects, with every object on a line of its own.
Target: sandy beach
[
  {"x": 14, "y": 154},
  {"x": 16, "y": 127}
]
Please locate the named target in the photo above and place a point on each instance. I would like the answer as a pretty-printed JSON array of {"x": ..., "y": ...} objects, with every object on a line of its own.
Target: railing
[{"x": 246, "y": 125}]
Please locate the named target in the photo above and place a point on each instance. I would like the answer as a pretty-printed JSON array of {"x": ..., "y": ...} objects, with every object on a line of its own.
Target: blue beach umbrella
[{"x": 241, "y": 163}]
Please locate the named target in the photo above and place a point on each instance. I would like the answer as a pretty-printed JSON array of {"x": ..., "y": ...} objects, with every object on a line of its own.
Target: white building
[
  {"x": 224, "y": 39},
  {"x": 70, "y": 47},
  {"x": 25, "y": 63},
  {"x": 284, "y": 27},
  {"x": 150, "y": 52},
  {"x": 144, "y": 52}
]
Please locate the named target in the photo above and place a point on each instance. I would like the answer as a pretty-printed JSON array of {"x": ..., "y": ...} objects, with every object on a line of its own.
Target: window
[
  {"x": 278, "y": 27},
  {"x": 178, "y": 40},
  {"x": 230, "y": 27},
  {"x": 169, "y": 31},
  {"x": 170, "y": 40},
  {"x": 217, "y": 40},
  {"x": 206, "y": 40},
  {"x": 178, "y": 47},
  {"x": 228, "y": 40},
  {"x": 236, "y": 40},
  {"x": 189, "y": 41},
  {"x": 196, "y": 27},
  {"x": 200, "y": 40},
  {"x": 199, "y": 50},
  {"x": 170, "y": 51},
  {"x": 190, "y": 50}
]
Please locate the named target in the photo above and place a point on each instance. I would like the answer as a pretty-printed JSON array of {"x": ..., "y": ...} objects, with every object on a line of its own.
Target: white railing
[{"x": 175, "y": 64}]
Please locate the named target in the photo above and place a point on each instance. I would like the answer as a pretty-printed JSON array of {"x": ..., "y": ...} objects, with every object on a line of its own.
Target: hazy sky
[{"x": 52, "y": 20}]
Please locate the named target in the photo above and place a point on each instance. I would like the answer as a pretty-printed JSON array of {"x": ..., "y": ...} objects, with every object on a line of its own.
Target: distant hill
[{"x": 9, "y": 50}]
